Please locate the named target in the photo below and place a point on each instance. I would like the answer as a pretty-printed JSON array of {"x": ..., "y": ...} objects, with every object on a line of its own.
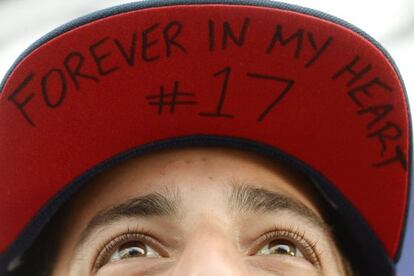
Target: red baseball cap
[{"x": 288, "y": 82}]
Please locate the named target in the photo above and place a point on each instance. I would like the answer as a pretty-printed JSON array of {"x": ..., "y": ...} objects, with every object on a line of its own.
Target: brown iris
[
  {"x": 130, "y": 250},
  {"x": 282, "y": 247}
]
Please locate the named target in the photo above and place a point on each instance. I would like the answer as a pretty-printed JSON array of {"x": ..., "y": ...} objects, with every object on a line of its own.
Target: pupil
[
  {"x": 283, "y": 248},
  {"x": 132, "y": 249},
  {"x": 133, "y": 252}
]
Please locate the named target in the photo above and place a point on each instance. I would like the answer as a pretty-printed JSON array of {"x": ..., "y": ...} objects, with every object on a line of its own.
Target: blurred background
[{"x": 390, "y": 22}]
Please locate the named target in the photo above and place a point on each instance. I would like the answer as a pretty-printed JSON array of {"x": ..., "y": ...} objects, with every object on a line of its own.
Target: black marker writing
[
  {"x": 130, "y": 55},
  {"x": 378, "y": 112},
  {"x": 73, "y": 64},
  {"x": 356, "y": 74},
  {"x": 319, "y": 50},
  {"x": 218, "y": 113},
  {"x": 364, "y": 93},
  {"x": 228, "y": 34},
  {"x": 297, "y": 38},
  {"x": 374, "y": 84},
  {"x": 389, "y": 132},
  {"x": 21, "y": 104},
  {"x": 281, "y": 94},
  {"x": 99, "y": 57},
  {"x": 278, "y": 37},
  {"x": 170, "y": 34},
  {"x": 60, "y": 77},
  {"x": 169, "y": 99},
  {"x": 399, "y": 157},
  {"x": 148, "y": 43}
]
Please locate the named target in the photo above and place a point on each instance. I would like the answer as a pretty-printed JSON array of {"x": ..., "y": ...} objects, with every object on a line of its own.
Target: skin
[{"x": 204, "y": 231}]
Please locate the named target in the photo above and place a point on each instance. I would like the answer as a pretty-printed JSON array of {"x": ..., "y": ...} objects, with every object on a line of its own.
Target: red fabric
[{"x": 316, "y": 120}]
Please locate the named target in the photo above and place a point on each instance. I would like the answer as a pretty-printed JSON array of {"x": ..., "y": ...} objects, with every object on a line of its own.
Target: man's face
[{"x": 197, "y": 212}]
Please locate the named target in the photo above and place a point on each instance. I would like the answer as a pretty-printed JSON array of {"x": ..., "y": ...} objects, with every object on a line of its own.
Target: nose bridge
[{"x": 210, "y": 253}]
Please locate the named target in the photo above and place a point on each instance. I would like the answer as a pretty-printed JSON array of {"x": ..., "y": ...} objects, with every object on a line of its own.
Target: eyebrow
[
  {"x": 242, "y": 199},
  {"x": 150, "y": 205},
  {"x": 245, "y": 198}
]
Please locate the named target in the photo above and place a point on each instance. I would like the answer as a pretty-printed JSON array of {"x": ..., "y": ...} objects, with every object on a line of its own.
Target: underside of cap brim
[{"x": 300, "y": 81}]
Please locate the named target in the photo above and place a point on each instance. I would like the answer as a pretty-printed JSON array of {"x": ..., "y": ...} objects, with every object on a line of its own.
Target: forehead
[{"x": 193, "y": 171}]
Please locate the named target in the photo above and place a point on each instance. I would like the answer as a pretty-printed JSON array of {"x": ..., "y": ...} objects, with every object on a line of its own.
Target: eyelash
[
  {"x": 291, "y": 234},
  {"x": 295, "y": 236},
  {"x": 106, "y": 249}
]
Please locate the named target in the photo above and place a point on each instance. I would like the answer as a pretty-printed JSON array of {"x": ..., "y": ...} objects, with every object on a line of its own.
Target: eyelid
[
  {"x": 295, "y": 236},
  {"x": 105, "y": 251}
]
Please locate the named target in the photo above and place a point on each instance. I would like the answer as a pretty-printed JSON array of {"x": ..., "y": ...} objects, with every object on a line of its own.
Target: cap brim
[{"x": 304, "y": 83}]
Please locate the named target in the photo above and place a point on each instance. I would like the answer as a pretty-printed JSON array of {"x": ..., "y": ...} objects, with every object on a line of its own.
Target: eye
[
  {"x": 128, "y": 246},
  {"x": 287, "y": 243},
  {"x": 133, "y": 249},
  {"x": 281, "y": 247}
]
